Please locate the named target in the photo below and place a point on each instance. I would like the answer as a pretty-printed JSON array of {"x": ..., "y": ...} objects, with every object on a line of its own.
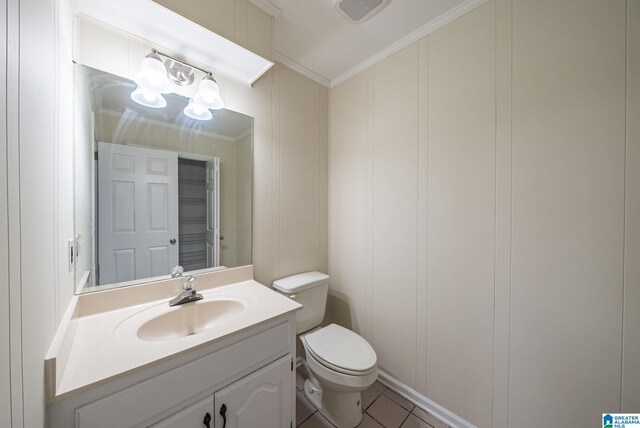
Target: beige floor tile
[
  {"x": 387, "y": 412},
  {"x": 369, "y": 395},
  {"x": 316, "y": 421},
  {"x": 304, "y": 409},
  {"x": 369, "y": 422},
  {"x": 428, "y": 418},
  {"x": 399, "y": 399},
  {"x": 378, "y": 386},
  {"x": 415, "y": 422}
]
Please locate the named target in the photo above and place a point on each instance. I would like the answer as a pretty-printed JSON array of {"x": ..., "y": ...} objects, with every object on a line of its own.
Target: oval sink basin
[
  {"x": 162, "y": 322},
  {"x": 189, "y": 319}
]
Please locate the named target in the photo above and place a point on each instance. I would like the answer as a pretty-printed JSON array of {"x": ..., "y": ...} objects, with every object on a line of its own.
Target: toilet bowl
[
  {"x": 344, "y": 365},
  {"x": 340, "y": 363}
]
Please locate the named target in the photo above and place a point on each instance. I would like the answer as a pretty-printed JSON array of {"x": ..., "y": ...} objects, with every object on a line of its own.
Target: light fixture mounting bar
[{"x": 207, "y": 72}]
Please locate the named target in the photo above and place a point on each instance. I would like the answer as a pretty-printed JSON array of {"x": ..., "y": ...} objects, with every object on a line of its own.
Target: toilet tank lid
[{"x": 301, "y": 281}]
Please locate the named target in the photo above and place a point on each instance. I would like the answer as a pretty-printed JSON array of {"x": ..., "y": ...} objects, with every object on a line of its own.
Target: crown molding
[
  {"x": 267, "y": 7},
  {"x": 277, "y": 56},
  {"x": 429, "y": 27}
]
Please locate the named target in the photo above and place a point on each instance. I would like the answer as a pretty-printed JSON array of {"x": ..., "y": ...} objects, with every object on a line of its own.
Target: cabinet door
[
  {"x": 262, "y": 399},
  {"x": 190, "y": 417}
]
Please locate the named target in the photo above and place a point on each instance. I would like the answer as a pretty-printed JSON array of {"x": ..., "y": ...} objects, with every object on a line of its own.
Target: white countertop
[{"x": 97, "y": 350}]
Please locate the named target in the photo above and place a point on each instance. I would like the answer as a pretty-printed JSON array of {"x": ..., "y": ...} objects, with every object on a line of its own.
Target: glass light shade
[
  {"x": 197, "y": 111},
  {"x": 153, "y": 75},
  {"x": 208, "y": 94},
  {"x": 148, "y": 98}
]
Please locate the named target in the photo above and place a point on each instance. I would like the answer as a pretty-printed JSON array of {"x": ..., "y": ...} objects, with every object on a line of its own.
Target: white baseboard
[{"x": 423, "y": 402}]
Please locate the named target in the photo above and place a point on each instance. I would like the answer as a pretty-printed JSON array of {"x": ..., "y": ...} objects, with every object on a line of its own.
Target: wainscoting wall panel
[{"x": 487, "y": 249}]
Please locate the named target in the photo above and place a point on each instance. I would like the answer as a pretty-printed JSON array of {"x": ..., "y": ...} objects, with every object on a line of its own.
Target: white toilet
[{"x": 340, "y": 363}]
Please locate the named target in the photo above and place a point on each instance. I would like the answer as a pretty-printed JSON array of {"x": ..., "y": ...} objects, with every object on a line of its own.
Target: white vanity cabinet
[
  {"x": 262, "y": 399},
  {"x": 249, "y": 372}
]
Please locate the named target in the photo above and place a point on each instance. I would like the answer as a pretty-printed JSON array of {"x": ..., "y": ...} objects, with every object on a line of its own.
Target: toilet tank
[{"x": 310, "y": 290}]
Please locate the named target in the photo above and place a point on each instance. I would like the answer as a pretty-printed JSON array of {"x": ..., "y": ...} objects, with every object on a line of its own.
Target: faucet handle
[
  {"x": 189, "y": 283},
  {"x": 177, "y": 271}
]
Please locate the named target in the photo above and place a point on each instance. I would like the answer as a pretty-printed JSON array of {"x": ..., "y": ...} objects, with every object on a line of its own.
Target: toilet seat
[{"x": 341, "y": 350}]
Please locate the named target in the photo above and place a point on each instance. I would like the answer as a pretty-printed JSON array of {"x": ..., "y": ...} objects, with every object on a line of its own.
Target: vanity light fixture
[
  {"x": 197, "y": 111},
  {"x": 156, "y": 78},
  {"x": 180, "y": 74}
]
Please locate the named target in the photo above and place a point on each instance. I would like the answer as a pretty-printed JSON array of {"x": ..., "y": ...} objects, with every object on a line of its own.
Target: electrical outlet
[{"x": 71, "y": 252}]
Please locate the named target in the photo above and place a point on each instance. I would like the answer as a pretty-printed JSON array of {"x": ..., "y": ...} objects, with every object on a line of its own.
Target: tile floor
[{"x": 382, "y": 408}]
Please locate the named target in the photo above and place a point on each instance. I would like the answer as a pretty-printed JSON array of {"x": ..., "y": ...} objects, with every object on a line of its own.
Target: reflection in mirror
[{"x": 155, "y": 188}]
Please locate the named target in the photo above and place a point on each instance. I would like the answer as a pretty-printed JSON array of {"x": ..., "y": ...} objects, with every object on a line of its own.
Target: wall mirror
[{"x": 155, "y": 188}]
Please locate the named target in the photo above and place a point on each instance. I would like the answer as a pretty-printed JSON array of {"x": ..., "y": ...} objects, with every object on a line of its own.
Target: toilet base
[{"x": 343, "y": 409}]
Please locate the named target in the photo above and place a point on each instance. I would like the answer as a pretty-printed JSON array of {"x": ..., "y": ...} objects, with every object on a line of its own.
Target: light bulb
[
  {"x": 155, "y": 80},
  {"x": 153, "y": 75},
  {"x": 197, "y": 111},
  {"x": 148, "y": 98},
  {"x": 208, "y": 94}
]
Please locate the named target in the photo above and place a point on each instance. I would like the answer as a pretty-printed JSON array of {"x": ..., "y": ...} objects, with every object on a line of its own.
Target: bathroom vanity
[{"x": 124, "y": 358}]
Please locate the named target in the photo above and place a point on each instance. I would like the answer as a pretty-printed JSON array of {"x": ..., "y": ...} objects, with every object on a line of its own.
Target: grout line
[
  {"x": 405, "y": 418},
  {"x": 417, "y": 416},
  {"x": 307, "y": 418}
]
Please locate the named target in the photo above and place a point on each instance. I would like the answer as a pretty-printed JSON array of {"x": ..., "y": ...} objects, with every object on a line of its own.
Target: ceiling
[{"x": 314, "y": 39}]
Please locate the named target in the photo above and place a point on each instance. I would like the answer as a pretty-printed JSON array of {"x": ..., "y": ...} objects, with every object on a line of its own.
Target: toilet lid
[{"x": 341, "y": 348}]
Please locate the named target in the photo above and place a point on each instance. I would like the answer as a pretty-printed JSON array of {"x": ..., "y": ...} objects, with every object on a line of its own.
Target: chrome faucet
[
  {"x": 188, "y": 294},
  {"x": 177, "y": 271}
]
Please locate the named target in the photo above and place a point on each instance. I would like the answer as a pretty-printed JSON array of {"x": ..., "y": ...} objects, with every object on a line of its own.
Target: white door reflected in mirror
[{"x": 137, "y": 201}]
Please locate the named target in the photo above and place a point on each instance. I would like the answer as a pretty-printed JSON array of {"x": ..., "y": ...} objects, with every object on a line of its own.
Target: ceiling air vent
[{"x": 357, "y": 11}]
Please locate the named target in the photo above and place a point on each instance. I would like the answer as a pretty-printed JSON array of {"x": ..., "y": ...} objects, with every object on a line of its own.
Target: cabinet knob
[{"x": 207, "y": 420}]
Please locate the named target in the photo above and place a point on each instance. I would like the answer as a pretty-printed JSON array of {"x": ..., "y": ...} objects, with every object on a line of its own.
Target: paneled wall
[
  {"x": 631, "y": 310},
  {"x": 484, "y": 212},
  {"x": 568, "y": 160},
  {"x": 392, "y": 85},
  {"x": 300, "y": 173},
  {"x": 37, "y": 210},
  {"x": 461, "y": 214},
  {"x": 5, "y": 335}
]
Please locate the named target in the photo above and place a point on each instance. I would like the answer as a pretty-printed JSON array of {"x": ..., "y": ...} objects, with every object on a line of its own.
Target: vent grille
[{"x": 358, "y": 11}]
